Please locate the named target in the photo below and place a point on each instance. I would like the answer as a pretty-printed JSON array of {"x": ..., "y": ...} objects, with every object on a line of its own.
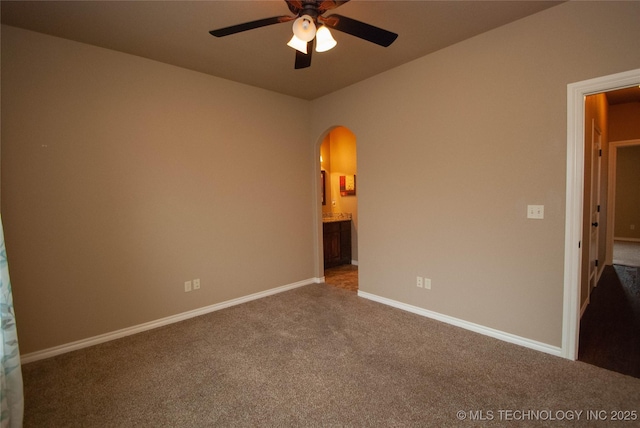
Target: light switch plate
[{"x": 535, "y": 211}]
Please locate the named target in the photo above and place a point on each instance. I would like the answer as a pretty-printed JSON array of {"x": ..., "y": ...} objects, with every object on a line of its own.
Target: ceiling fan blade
[
  {"x": 226, "y": 31},
  {"x": 295, "y": 6},
  {"x": 304, "y": 60},
  {"x": 360, "y": 29}
]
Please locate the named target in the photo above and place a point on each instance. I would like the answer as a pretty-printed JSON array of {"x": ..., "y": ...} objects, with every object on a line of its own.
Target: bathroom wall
[{"x": 339, "y": 158}]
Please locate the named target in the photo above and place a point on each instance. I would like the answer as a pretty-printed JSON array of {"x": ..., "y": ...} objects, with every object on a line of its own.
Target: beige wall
[
  {"x": 627, "y": 222},
  {"x": 624, "y": 121},
  {"x": 123, "y": 177},
  {"x": 453, "y": 147}
]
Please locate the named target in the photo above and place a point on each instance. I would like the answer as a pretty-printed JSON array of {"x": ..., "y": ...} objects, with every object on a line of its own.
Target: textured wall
[{"x": 123, "y": 177}]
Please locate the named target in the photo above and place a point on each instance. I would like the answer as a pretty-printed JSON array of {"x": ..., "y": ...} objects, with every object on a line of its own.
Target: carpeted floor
[
  {"x": 317, "y": 356},
  {"x": 626, "y": 253},
  {"x": 630, "y": 281}
]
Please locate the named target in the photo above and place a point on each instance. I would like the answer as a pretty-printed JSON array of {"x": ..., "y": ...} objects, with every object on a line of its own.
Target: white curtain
[{"x": 10, "y": 374}]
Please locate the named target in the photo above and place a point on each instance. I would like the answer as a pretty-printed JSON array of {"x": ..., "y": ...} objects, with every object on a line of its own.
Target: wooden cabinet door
[
  {"x": 331, "y": 237},
  {"x": 337, "y": 243},
  {"x": 345, "y": 242}
]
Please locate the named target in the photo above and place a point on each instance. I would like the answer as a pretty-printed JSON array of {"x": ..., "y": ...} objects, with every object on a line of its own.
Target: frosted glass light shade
[
  {"x": 297, "y": 44},
  {"x": 324, "y": 40},
  {"x": 304, "y": 28}
]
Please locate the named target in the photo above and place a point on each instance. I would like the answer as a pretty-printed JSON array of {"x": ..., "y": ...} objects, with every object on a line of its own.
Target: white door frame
[{"x": 576, "y": 93}]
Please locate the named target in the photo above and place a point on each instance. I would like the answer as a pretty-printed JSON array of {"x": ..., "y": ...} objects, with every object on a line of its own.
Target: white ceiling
[{"x": 177, "y": 32}]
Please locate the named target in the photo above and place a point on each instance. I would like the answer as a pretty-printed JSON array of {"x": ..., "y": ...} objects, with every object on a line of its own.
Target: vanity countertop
[{"x": 332, "y": 217}]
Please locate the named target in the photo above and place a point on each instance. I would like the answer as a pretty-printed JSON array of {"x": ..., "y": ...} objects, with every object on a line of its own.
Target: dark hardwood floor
[{"x": 610, "y": 326}]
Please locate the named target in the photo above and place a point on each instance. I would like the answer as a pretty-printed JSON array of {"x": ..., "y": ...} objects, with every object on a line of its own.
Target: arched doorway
[{"x": 339, "y": 195}]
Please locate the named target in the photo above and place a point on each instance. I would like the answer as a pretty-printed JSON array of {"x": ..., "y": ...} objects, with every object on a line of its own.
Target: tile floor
[{"x": 345, "y": 276}]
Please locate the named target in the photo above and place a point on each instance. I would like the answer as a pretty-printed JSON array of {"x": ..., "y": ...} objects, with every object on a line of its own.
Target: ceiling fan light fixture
[
  {"x": 297, "y": 44},
  {"x": 324, "y": 40},
  {"x": 304, "y": 28},
  {"x": 307, "y": 20}
]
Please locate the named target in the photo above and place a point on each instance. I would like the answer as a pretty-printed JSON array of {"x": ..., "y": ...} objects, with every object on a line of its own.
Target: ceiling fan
[{"x": 308, "y": 17}]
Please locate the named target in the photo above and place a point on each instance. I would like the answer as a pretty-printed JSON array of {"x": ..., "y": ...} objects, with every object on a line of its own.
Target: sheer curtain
[{"x": 11, "y": 374}]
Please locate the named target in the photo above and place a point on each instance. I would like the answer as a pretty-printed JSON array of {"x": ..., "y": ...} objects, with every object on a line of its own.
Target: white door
[{"x": 596, "y": 159}]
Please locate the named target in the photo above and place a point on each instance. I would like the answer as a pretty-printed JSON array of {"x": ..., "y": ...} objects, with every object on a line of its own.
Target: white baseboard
[
  {"x": 626, "y": 239},
  {"x": 84, "y": 343},
  {"x": 496, "y": 334},
  {"x": 354, "y": 262}
]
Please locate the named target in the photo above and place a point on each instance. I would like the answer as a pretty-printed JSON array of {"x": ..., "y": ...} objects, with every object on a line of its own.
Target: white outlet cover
[{"x": 535, "y": 211}]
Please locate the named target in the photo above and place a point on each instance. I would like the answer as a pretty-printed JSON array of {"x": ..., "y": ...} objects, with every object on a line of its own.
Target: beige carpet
[
  {"x": 626, "y": 253},
  {"x": 317, "y": 356}
]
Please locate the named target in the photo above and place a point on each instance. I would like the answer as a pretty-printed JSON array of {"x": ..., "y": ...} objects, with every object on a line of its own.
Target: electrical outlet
[
  {"x": 427, "y": 283},
  {"x": 419, "y": 282},
  {"x": 535, "y": 211},
  {"x": 196, "y": 284},
  {"x": 187, "y": 286}
]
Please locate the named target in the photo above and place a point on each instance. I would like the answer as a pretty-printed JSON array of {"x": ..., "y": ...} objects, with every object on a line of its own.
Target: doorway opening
[
  {"x": 576, "y": 189},
  {"x": 339, "y": 190},
  {"x": 610, "y": 324},
  {"x": 623, "y": 235}
]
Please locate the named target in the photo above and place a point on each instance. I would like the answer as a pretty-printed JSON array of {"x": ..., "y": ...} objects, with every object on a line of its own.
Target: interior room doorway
[
  {"x": 576, "y": 94},
  {"x": 339, "y": 188},
  {"x": 614, "y": 148},
  {"x": 610, "y": 320}
]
